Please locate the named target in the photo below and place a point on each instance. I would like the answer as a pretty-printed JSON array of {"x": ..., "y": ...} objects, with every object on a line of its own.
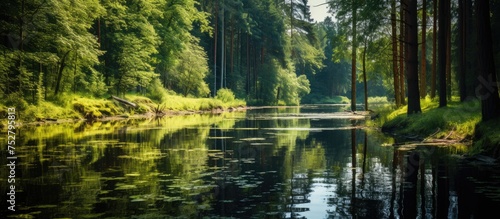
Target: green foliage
[
  {"x": 178, "y": 47},
  {"x": 378, "y": 100},
  {"x": 320, "y": 99},
  {"x": 16, "y": 100},
  {"x": 225, "y": 95},
  {"x": 189, "y": 74},
  {"x": 44, "y": 110},
  {"x": 132, "y": 42},
  {"x": 94, "y": 84},
  {"x": 292, "y": 88},
  {"x": 156, "y": 91}
]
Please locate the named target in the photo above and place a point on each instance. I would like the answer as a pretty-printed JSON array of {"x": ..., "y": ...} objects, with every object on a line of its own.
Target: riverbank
[
  {"x": 72, "y": 108},
  {"x": 456, "y": 123}
]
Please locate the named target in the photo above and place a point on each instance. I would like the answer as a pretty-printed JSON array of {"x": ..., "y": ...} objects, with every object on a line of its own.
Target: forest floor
[{"x": 456, "y": 123}]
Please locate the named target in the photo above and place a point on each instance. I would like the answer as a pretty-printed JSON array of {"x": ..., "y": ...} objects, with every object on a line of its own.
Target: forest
[{"x": 266, "y": 52}]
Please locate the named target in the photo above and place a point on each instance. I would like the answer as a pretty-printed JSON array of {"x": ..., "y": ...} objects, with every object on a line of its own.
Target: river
[{"x": 313, "y": 161}]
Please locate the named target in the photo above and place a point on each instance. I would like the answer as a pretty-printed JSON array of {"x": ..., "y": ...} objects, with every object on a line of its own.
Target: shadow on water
[{"x": 295, "y": 162}]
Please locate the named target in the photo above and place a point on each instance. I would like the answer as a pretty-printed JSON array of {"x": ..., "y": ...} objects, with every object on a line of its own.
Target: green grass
[
  {"x": 487, "y": 138},
  {"x": 456, "y": 121},
  {"x": 180, "y": 103},
  {"x": 80, "y": 106},
  {"x": 91, "y": 108}
]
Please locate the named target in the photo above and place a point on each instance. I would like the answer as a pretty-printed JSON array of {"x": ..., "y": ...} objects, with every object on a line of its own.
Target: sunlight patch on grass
[{"x": 457, "y": 120}]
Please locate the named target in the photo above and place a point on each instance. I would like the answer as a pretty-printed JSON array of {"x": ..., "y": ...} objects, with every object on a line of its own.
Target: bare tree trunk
[
  {"x": 471, "y": 50},
  {"x": 402, "y": 46},
  {"x": 434, "y": 48},
  {"x": 215, "y": 47},
  {"x": 412, "y": 57},
  {"x": 248, "y": 65},
  {"x": 488, "y": 88},
  {"x": 423, "y": 62},
  {"x": 60, "y": 73},
  {"x": 462, "y": 39},
  {"x": 395, "y": 59},
  {"x": 223, "y": 49},
  {"x": 448, "y": 59},
  {"x": 443, "y": 32},
  {"x": 353, "y": 64},
  {"x": 364, "y": 75},
  {"x": 231, "y": 47}
]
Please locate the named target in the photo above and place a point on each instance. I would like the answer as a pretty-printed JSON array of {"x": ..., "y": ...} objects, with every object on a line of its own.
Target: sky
[{"x": 318, "y": 13}]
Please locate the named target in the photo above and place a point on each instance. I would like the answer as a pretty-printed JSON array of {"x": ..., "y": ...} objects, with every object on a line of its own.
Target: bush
[
  {"x": 16, "y": 100},
  {"x": 226, "y": 95},
  {"x": 378, "y": 100},
  {"x": 156, "y": 91}
]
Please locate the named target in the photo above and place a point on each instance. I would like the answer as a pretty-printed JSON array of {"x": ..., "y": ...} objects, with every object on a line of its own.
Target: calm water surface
[{"x": 308, "y": 162}]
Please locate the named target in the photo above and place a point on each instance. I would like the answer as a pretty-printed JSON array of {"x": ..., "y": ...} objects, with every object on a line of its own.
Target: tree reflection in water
[{"x": 271, "y": 163}]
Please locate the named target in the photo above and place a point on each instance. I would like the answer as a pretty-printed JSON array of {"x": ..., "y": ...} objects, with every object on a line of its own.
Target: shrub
[
  {"x": 226, "y": 95},
  {"x": 156, "y": 91}
]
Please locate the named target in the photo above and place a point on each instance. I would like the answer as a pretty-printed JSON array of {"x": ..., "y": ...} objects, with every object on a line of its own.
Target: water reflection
[{"x": 309, "y": 162}]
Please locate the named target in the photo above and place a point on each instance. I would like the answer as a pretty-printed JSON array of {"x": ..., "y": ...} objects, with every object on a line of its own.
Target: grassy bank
[
  {"x": 458, "y": 121},
  {"x": 78, "y": 106}
]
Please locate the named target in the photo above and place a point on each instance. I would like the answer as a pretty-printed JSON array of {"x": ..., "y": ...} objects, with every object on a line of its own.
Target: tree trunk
[
  {"x": 462, "y": 37},
  {"x": 395, "y": 59},
  {"x": 412, "y": 57},
  {"x": 125, "y": 102},
  {"x": 488, "y": 88},
  {"x": 402, "y": 45},
  {"x": 248, "y": 65},
  {"x": 443, "y": 31},
  {"x": 223, "y": 49},
  {"x": 99, "y": 32},
  {"x": 448, "y": 58},
  {"x": 423, "y": 62},
  {"x": 353, "y": 64},
  {"x": 364, "y": 76},
  {"x": 231, "y": 55},
  {"x": 60, "y": 73},
  {"x": 434, "y": 48},
  {"x": 215, "y": 47},
  {"x": 471, "y": 51}
]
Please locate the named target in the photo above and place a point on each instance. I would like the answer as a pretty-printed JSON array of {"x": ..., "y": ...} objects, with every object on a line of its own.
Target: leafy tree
[
  {"x": 175, "y": 27},
  {"x": 75, "y": 18},
  {"x": 46, "y": 41},
  {"x": 130, "y": 42},
  {"x": 189, "y": 73}
]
